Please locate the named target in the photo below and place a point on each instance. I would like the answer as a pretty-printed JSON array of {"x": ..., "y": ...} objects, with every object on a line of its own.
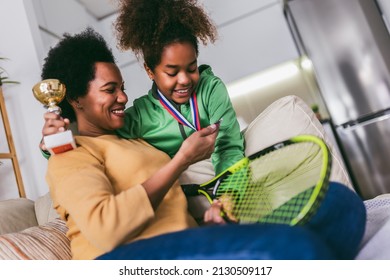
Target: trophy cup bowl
[{"x": 51, "y": 92}]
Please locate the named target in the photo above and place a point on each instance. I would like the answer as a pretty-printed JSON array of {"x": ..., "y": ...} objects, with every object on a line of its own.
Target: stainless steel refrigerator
[{"x": 349, "y": 45}]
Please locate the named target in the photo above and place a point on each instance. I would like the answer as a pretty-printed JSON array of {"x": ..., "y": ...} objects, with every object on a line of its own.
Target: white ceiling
[{"x": 99, "y": 8}]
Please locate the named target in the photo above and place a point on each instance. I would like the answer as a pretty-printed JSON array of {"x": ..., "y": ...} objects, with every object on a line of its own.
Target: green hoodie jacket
[{"x": 149, "y": 120}]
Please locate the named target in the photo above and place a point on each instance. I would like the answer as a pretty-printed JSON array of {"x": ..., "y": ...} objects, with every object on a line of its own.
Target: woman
[{"x": 120, "y": 198}]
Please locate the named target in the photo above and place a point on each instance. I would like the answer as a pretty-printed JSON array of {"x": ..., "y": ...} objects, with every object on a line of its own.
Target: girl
[{"x": 183, "y": 97}]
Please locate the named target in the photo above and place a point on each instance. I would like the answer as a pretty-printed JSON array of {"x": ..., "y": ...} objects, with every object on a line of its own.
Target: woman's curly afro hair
[
  {"x": 147, "y": 26},
  {"x": 72, "y": 61}
]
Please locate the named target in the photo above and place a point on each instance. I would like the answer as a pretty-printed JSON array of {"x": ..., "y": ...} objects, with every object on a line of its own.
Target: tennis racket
[{"x": 284, "y": 183}]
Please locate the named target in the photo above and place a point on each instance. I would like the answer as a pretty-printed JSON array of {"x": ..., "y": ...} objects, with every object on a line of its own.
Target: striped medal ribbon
[{"x": 178, "y": 116}]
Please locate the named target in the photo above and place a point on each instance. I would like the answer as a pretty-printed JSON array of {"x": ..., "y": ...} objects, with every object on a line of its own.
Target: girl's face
[
  {"x": 177, "y": 74},
  {"x": 101, "y": 110}
]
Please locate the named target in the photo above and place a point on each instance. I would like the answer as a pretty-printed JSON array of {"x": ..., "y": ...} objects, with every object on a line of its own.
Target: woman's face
[
  {"x": 177, "y": 74},
  {"x": 101, "y": 110}
]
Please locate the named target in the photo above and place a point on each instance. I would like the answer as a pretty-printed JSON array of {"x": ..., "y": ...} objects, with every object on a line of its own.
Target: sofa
[{"x": 32, "y": 229}]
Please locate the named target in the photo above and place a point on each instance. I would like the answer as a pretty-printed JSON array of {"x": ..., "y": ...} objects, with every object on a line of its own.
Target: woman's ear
[
  {"x": 149, "y": 72},
  {"x": 75, "y": 104}
]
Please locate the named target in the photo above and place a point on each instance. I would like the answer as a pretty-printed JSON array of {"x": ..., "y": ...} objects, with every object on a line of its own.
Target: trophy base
[{"x": 60, "y": 142}]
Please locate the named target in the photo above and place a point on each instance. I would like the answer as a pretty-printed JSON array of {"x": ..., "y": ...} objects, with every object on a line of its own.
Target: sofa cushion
[
  {"x": 44, "y": 210},
  {"x": 44, "y": 242},
  {"x": 287, "y": 117},
  {"x": 16, "y": 215}
]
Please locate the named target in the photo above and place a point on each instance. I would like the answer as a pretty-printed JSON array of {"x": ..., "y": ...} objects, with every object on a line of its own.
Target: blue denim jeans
[
  {"x": 333, "y": 233},
  {"x": 340, "y": 221}
]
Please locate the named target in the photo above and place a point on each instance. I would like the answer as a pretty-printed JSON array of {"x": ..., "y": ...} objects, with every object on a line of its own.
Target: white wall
[
  {"x": 20, "y": 42},
  {"x": 254, "y": 36}
]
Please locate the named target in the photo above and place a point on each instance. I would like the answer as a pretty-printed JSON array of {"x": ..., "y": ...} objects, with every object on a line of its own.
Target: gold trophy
[{"x": 51, "y": 92}]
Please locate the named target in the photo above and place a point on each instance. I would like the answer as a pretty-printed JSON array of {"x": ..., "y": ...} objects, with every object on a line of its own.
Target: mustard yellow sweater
[{"x": 97, "y": 190}]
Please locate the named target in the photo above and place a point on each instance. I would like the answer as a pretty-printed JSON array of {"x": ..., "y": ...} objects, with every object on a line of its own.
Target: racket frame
[{"x": 209, "y": 188}]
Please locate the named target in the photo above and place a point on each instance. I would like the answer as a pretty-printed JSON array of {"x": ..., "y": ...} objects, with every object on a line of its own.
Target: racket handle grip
[{"x": 190, "y": 189}]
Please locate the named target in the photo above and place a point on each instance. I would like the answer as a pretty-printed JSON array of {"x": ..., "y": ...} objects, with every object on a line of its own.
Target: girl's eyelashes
[{"x": 189, "y": 71}]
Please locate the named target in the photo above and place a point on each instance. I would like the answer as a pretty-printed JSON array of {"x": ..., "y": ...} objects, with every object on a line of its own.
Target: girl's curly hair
[
  {"x": 72, "y": 61},
  {"x": 147, "y": 26}
]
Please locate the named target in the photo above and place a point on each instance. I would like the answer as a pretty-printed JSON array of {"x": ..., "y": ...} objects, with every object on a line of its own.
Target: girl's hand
[
  {"x": 214, "y": 214},
  {"x": 199, "y": 146}
]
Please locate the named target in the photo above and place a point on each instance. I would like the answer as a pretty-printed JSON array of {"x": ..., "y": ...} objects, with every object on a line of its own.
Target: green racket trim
[
  {"x": 319, "y": 188},
  {"x": 230, "y": 170},
  {"x": 206, "y": 195}
]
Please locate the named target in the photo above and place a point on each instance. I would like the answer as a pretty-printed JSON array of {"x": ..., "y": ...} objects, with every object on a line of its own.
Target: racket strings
[
  {"x": 277, "y": 187},
  {"x": 291, "y": 169},
  {"x": 286, "y": 212},
  {"x": 243, "y": 196}
]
